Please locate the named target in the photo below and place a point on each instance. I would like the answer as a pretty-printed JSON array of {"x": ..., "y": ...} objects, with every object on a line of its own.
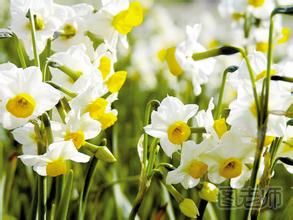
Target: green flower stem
[
  {"x": 53, "y": 211},
  {"x": 218, "y": 109},
  {"x": 152, "y": 159},
  {"x": 9, "y": 180},
  {"x": 19, "y": 49},
  {"x": 74, "y": 75},
  {"x": 173, "y": 191},
  {"x": 61, "y": 111},
  {"x": 262, "y": 127},
  {"x": 150, "y": 106},
  {"x": 33, "y": 211},
  {"x": 48, "y": 130},
  {"x": 198, "y": 130},
  {"x": 41, "y": 197},
  {"x": 32, "y": 19},
  {"x": 146, "y": 166},
  {"x": 201, "y": 208},
  {"x": 86, "y": 187},
  {"x": 65, "y": 199},
  {"x": 45, "y": 72},
  {"x": 62, "y": 89},
  {"x": 229, "y": 50}
]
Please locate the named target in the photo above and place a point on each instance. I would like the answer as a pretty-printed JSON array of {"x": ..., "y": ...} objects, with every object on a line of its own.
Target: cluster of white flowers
[{"x": 53, "y": 109}]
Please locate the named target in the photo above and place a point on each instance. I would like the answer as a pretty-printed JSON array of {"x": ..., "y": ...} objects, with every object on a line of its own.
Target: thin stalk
[
  {"x": 262, "y": 128},
  {"x": 41, "y": 198},
  {"x": 32, "y": 19},
  {"x": 222, "y": 89},
  {"x": 62, "y": 89},
  {"x": 201, "y": 208},
  {"x": 86, "y": 187},
  {"x": 19, "y": 49},
  {"x": 198, "y": 130},
  {"x": 230, "y": 50},
  {"x": 33, "y": 211},
  {"x": 152, "y": 159},
  {"x": 150, "y": 106},
  {"x": 65, "y": 199}
]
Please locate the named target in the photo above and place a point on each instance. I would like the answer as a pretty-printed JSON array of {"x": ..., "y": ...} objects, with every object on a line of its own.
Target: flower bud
[
  {"x": 188, "y": 208},
  {"x": 104, "y": 154},
  {"x": 209, "y": 192}
]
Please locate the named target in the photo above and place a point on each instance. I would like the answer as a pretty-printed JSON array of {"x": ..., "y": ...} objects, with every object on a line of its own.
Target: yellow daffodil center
[
  {"x": 197, "y": 169},
  {"x": 220, "y": 127},
  {"x": 105, "y": 66},
  {"x": 256, "y": 3},
  {"x": 56, "y": 167},
  {"x": 127, "y": 19},
  {"x": 263, "y": 74},
  {"x": 76, "y": 137},
  {"x": 21, "y": 106},
  {"x": 230, "y": 168},
  {"x": 285, "y": 35},
  {"x": 107, "y": 120},
  {"x": 172, "y": 62},
  {"x": 97, "y": 108},
  {"x": 178, "y": 132},
  {"x": 69, "y": 31},
  {"x": 116, "y": 81},
  {"x": 39, "y": 23},
  {"x": 262, "y": 46}
]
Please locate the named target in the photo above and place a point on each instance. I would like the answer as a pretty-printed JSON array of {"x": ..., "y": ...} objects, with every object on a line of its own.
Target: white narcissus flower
[
  {"x": 229, "y": 159},
  {"x": 98, "y": 107},
  {"x": 26, "y": 136},
  {"x": 258, "y": 8},
  {"x": 79, "y": 73},
  {"x": 192, "y": 165},
  {"x": 49, "y": 17},
  {"x": 286, "y": 147},
  {"x": 243, "y": 112},
  {"x": 73, "y": 29},
  {"x": 180, "y": 59},
  {"x": 115, "y": 20},
  {"x": 169, "y": 124},
  {"x": 78, "y": 128},
  {"x": 26, "y": 97},
  {"x": 53, "y": 162},
  {"x": 214, "y": 128}
]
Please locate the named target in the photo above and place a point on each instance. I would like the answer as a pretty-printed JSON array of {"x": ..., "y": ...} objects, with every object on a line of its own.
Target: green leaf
[{"x": 65, "y": 198}]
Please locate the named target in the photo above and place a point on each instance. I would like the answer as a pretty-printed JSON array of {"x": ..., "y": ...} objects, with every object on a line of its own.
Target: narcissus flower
[
  {"x": 115, "y": 20},
  {"x": 25, "y": 98},
  {"x": 98, "y": 107},
  {"x": 49, "y": 17},
  {"x": 73, "y": 69},
  {"x": 54, "y": 161},
  {"x": 78, "y": 128},
  {"x": 180, "y": 59},
  {"x": 229, "y": 159},
  {"x": 169, "y": 124},
  {"x": 73, "y": 29},
  {"x": 192, "y": 165}
]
